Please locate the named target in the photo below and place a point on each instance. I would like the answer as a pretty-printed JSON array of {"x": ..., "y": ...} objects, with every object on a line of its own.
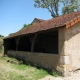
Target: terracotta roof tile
[{"x": 48, "y": 24}]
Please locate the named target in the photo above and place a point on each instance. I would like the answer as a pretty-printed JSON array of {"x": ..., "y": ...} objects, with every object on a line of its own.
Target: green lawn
[{"x": 12, "y": 71}]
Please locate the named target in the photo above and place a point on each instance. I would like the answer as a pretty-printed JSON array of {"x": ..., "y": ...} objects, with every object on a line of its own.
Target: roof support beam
[
  {"x": 33, "y": 41},
  {"x": 17, "y": 42},
  {"x": 6, "y": 46}
]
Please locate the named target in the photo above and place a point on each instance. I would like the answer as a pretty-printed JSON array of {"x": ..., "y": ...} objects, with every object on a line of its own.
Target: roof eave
[{"x": 73, "y": 22}]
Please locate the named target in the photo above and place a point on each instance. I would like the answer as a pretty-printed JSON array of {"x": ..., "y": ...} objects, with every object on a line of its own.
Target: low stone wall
[{"x": 40, "y": 59}]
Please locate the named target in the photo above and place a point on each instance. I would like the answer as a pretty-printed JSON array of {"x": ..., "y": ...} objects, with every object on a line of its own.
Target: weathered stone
[
  {"x": 64, "y": 59},
  {"x": 40, "y": 59},
  {"x": 69, "y": 48}
]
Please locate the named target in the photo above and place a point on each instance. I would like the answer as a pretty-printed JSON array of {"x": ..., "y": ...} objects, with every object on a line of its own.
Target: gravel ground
[{"x": 73, "y": 76}]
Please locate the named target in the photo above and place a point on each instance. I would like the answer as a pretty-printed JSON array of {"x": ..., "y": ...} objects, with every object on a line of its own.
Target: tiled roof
[{"x": 64, "y": 20}]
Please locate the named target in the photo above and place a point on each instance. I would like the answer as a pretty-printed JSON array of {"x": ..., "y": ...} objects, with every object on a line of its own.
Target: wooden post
[
  {"x": 6, "y": 46},
  {"x": 32, "y": 47},
  {"x": 32, "y": 39},
  {"x": 17, "y": 42}
]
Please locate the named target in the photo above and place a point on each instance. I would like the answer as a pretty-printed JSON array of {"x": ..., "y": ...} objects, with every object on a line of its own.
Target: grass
[
  {"x": 20, "y": 67},
  {"x": 10, "y": 71},
  {"x": 27, "y": 72},
  {"x": 54, "y": 73},
  {"x": 13, "y": 71}
]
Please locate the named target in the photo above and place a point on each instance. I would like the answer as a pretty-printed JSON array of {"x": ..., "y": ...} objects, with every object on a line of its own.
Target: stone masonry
[{"x": 69, "y": 49}]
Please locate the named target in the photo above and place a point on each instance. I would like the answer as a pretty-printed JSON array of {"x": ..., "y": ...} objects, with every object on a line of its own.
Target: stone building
[{"x": 52, "y": 44}]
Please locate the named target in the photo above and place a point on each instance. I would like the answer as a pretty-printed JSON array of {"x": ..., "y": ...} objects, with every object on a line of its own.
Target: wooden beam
[
  {"x": 33, "y": 40},
  {"x": 6, "y": 46},
  {"x": 17, "y": 42}
]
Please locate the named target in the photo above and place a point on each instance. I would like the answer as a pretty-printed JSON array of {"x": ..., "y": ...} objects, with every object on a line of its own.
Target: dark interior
[
  {"x": 12, "y": 44},
  {"x": 25, "y": 44},
  {"x": 46, "y": 42}
]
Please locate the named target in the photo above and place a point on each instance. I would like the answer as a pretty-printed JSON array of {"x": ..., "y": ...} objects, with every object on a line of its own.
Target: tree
[
  {"x": 1, "y": 43},
  {"x": 1, "y": 35},
  {"x": 53, "y": 6},
  {"x": 70, "y": 6},
  {"x": 26, "y": 25}
]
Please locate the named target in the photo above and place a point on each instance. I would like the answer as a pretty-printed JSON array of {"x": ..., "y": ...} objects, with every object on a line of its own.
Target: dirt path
[{"x": 73, "y": 76}]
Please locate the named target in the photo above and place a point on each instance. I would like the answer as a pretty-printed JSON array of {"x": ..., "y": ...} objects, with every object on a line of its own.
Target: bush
[
  {"x": 1, "y": 44},
  {"x": 54, "y": 73}
]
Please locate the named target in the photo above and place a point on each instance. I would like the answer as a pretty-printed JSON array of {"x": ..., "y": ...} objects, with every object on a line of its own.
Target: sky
[{"x": 15, "y": 13}]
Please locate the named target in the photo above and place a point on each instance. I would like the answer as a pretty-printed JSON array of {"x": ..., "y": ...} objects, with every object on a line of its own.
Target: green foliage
[
  {"x": 1, "y": 44},
  {"x": 19, "y": 67},
  {"x": 70, "y": 6},
  {"x": 19, "y": 72},
  {"x": 1, "y": 35},
  {"x": 26, "y": 25},
  {"x": 54, "y": 73},
  {"x": 53, "y": 6}
]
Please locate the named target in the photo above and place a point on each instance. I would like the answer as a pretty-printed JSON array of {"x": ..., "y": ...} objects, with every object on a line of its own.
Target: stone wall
[
  {"x": 44, "y": 60},
  {"x": 69, "y": 49},
  {"x": 61, "y": 67},
  {"x": 72, "y": 48}
]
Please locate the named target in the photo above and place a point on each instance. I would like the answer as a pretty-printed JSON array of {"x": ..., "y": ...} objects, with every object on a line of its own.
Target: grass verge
[{"x": 11, "y": 71}]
